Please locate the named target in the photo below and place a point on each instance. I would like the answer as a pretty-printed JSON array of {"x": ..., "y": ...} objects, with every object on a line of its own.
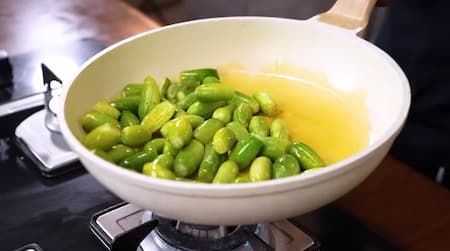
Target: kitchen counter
[{"x": 395, "y": 201}]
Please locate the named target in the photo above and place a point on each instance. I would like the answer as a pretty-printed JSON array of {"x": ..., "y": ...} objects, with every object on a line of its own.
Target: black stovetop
[{"x": 55, "y": 212}]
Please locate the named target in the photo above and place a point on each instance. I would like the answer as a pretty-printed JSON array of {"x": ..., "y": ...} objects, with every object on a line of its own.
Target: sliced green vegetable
[
  {"x": 260, "y": 169},
  {"x": 128, "y": 118},
  {"x": 285, "y": 166},
  {"x": 158, "y": 116},
  {"x": 204, "y": 109},
  {"x": 224, "y": 113},
  {"x": 242, "y": 114},
  {"x": 213, "y": 92},
  {"x": 238, "y": 129},
  {"x": 199, "y": 74},
  {"x": 245, "y": 151},
  {"x": 205, "y": 132},
  {"x": 156, "y": 144},
  {"x": 188, "y": 159},
  {"x": 239, "y": 97},
  {"x": 211, "y": 80},
  {"x": 92, "y": 120},
  {"x": 307, "y": 157},
  {"x": 209, "y": 165},
  {"x": 223, "y": 140},
  {"x": 136, "y": 161},
  {"x": 102, "y": 137},
  {"x": 267, "y": 104},
  {"x": 105, "y": 108},
  {"x": 227, "y": 172},
  {"x": 135, "y": 135},
  {"x": 164, "y": 88},
  {"x": 274, "y": 147},
  {"x": 132, "y": 89},
  {"x": 150, "y": 97},
  {"x": 120, "y": 152},
  {"x": 130, "y": 103},
  {"x": 258, "y": 126},
  {"x": 180, "y": 132},
  {"x": 278, "y": 129}
]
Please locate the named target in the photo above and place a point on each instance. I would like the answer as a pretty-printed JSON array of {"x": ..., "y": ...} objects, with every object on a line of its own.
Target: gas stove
[
  {"x": 68, "y": 209},
  {"x": 162, "y": 234}
]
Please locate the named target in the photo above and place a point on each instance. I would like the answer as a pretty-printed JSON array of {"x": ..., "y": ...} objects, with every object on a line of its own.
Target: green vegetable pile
[{"x": 196, "y": 130}]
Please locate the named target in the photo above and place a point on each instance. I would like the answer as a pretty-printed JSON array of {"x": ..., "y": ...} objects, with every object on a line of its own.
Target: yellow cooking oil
[{"x": 333, "y": 122}]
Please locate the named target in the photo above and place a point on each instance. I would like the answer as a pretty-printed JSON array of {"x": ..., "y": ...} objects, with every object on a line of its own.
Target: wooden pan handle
[{"x": 349, "y": 14}]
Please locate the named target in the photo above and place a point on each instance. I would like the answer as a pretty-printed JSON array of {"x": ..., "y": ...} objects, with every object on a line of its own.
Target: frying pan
[{"x": 327, "y": 43}]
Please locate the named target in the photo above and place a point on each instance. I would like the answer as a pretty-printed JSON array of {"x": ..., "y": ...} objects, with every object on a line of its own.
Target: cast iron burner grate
[{"x": 192, "y": 237}]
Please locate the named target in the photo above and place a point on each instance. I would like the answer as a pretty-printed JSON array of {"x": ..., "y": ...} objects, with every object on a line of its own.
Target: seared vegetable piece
[
  {"x": 245, "y": 151},
  {"x": 105, "y": 108},
  {"x": 157, "y": 144},
  {"x": 187, "y": 101},
  {"x": 149, "y": 98},
  {"x": 238, "y": 129},
  {"x": 103, "y": 137},
  {"x": 199, "y": 74},
  {"x": 164, "y": 160},
  {"x": 267, "y": 104},
  {"x": 223, "y": 140},
  {"x": 260, "y": 169},
  {"x": 307, "y": 157},
  {"x": 239, "y": 97},
  {"x": 159, "y": 115},
  {"x": 224, "y": 113},
  {"x": 210, "y": 163},
  {"x": 205, "y": 132},
  {"x": 102, "y": 154},
  {"x": 92, "y": 120},
  {"x": 204, "y": 109},
  {"x": 226, "y": 173},
  {"x": 137, "y": 160},
  {"x": 164, "y": 88},
  {"x": 211, "y": 80},
  {"x": 170, "y": 149},
  {"x": 285, "y": 166},
  {"x": 128, "y": 118},
  {"x": 132, "y": 89},
  {"x": 180, "y": 132},
  {"x": 135, "y": 135},
  {"x": 274, "y": 147},
  {"x": 188, "y": 159},
  {"x": 242, "y": 114},
  {"x": 213, "y": 92},
  {"x": 127, "y": 104},
  {"x": 119, "y": 152},
  {"x": 258, "y": 126},
  {"x": 278, "y": 129}
]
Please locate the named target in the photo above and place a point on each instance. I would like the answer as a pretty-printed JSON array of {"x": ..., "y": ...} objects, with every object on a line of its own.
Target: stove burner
[
  {"x": 127, "y": 226},
  {"x": 205, "y": 232},
  {"x": 201, "y": 237}
]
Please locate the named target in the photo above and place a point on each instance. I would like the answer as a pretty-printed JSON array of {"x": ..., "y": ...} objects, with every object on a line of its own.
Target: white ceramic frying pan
[{"x": 326, "y": 43}]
